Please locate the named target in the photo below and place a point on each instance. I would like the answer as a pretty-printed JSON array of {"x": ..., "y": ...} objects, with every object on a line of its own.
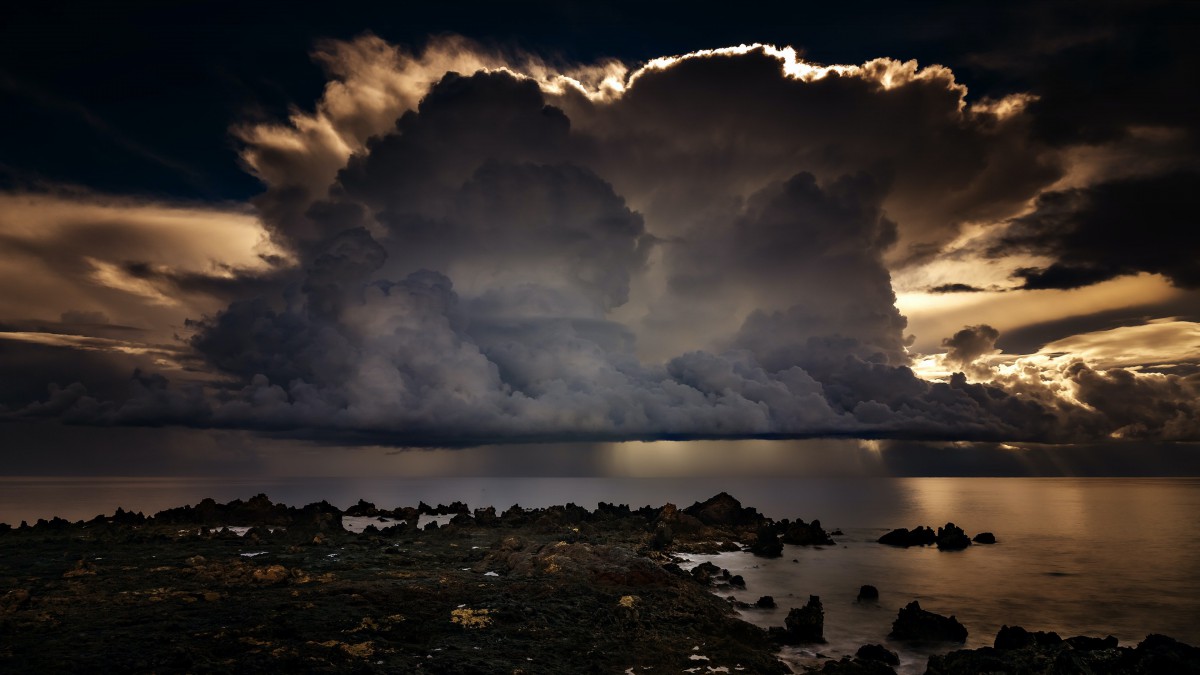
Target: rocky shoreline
[{"x": 255, "y": 586}]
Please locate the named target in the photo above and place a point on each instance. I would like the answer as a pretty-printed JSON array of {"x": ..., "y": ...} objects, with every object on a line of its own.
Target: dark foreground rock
[
  {"x": 557, "y": 590},
  {"x": 949, "y": 537},
  {"x": 724, "y": 511},
  {"x": 803, "y": 624},
  {"x": 1015, "y": 637},
  {"x": 856, "y": 666},
  {"x": 921, "y": 536},
  {"x": 800, "y": 533},
  {"x": 1040, "y": 653},
  {"x": 878, "y": 653},
  {"x": 867, "y": 593},
  {"x": 766, "y": 543},
  {"x": 952, "y": 538},
  {"x": 914, "y": 624}
]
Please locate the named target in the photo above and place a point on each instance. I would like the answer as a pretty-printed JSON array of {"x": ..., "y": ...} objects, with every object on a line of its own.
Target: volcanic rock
[
  {"x": 921, "y": 536},
  {"x": 952, "y": 538},
  {"x": 1155, "y": 654},
  {"x": 803, "y": 624},
  {"x": 878, "y": 653},
  {"x": 800, "y": 533},
  {"x": 767, "y": 544},
  {"x": 1016, "y": 637},
  {"x": 849, "y": 666},
  {"x": 917, "y": 625},
  {"x": 722, "y": 510},
  {"x": 705, "y": 572}
]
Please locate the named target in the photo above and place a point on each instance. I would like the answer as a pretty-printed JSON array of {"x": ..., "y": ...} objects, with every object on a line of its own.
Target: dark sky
[
  {"x": 138, "y": 96},
  {"x": 477, "y": 223}
]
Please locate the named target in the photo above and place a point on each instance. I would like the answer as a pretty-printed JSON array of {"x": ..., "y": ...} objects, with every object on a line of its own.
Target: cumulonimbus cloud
[{"x": 698, "y": 248}]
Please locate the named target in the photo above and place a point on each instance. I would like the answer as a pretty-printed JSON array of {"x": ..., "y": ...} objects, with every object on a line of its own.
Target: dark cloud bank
[{"x": 480, "y": 274}]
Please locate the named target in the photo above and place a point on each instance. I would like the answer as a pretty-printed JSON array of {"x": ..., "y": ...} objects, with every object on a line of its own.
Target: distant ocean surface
[{"x": 1092, "y": 556}]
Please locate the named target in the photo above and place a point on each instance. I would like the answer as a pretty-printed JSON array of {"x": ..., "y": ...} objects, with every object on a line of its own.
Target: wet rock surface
[
  {"x": 952, "y": 538},
  {"x": 856, "y": 666},
  {"x": 256, "y": 586},
  {"x": 1021, "y": 651},
  {"x": 921, "y": 536},
  {"x": 984, "y": 538},
  {"x": 914, "y": 624},
  {"x": 949, "y": 537},
  {"x": 873, "y": 652},
  {"x": 803, "y": 625}
]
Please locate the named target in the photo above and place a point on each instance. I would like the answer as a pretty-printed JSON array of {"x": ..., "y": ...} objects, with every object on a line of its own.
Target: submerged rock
[
  {"x": 984, "y": 538},
  {"x": 914, "y": 624}
]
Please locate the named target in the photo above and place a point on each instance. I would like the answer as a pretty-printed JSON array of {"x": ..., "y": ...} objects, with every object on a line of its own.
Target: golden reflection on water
[{"x": 751, "y": 457}]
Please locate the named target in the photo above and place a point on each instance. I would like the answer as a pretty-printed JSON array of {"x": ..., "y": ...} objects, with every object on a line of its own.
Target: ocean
[{"x": 1079, "y": 556}]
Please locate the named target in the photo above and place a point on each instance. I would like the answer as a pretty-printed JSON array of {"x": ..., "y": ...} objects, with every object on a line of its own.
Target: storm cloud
[
  {"x": 1112, "y": 229},
  {"x": 472, "y": 249}
]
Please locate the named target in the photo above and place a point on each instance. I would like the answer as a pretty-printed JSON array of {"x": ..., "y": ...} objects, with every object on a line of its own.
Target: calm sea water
[{"x": 1092, "y": 556}]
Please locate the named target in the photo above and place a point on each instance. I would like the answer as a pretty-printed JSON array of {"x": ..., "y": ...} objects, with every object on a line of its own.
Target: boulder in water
[
  {"x": 868, "y": 593},
  {"x": 1016, "y": 637},
  {"x": 914, "y": 624},
  {"x": 804, "y": 624},
  {"x": 878, "y": 653},
  {"x": 767, "y": 544},
  {"x": 921, "y": 536},
  {"x": 849, "y": 666},
  {"x": 952, "y": 538}
]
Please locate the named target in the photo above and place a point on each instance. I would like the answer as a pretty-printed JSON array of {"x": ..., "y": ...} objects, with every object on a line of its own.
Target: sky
[{"x": 598, "y": 237}]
